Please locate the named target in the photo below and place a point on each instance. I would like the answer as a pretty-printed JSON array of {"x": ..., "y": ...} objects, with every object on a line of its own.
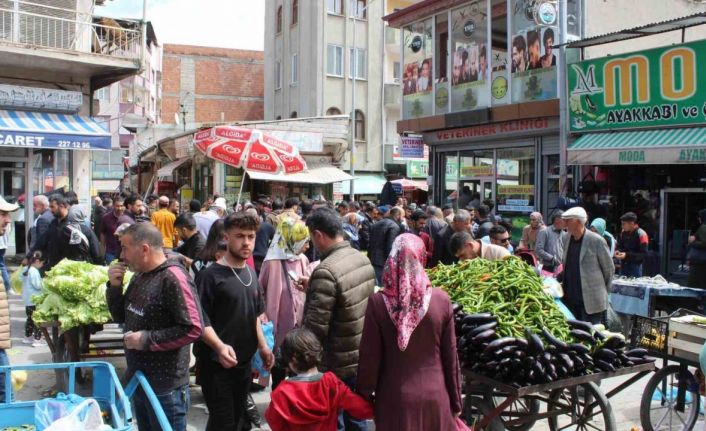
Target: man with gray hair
[
  {"x": 40, "y": 205},
  {"x": 588, "y": 269},
  {"x": 462, "y": 222},
  {"x": 550, "y": 246},
  {"x": 162, "y": 317}
]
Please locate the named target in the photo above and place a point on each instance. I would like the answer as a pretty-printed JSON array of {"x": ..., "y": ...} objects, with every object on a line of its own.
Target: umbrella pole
[{"x": 240, "y": 193}]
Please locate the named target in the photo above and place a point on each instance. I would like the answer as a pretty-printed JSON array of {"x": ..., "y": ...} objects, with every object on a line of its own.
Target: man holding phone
[{"x": 162, "y": 317}]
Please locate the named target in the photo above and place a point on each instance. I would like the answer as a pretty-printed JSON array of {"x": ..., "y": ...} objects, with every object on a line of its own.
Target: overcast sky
[{"x": 220, "y": 23}]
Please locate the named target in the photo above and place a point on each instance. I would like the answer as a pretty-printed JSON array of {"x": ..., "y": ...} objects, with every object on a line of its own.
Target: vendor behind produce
[
  {"x": 464, "y": 247},
  {"x": 588, "y": 269}
]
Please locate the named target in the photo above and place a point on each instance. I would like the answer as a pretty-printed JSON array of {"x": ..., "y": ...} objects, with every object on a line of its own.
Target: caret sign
[{"x": 654, "y": 88}]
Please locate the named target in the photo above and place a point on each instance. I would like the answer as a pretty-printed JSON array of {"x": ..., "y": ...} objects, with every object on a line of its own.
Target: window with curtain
[
  {"x": 333, "y": 111},
  {"x": 359, "y": 125},
  {"x": 357, "y": 8},
  {"x": 358, "y": 64},
  {"x": 334, "y": 60},
  {"x": 279, "y": 19},
  {"x": 295, "y": 11},
  {"x": 334, "y": 6}
]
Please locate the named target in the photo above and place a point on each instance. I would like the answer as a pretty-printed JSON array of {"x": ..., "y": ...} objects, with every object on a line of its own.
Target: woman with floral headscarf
[
  {"x": 283, "y": 265},
  {"x": 529, "y": 232},
  {"x": 408, "y": 350}
]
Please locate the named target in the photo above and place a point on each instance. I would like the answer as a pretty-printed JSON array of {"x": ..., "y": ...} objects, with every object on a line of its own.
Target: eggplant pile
[{"x": 537, "y": 358}]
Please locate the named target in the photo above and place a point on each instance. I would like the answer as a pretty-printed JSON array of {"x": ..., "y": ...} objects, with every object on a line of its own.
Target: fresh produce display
[
  {"x": 508, "y": 329},
  {"x": 74, "y": 294},
  {"x": 508, "y": 288}
]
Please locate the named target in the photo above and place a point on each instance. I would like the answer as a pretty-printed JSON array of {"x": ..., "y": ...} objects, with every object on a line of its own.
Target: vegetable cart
[
  {"x": 672, "y": 397},
  {"x": 575, "y": 402},
  {"x": 114, "y": 401}
]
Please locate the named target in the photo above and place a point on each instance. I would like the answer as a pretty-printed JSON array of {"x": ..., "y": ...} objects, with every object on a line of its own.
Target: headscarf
[
  {"x": 289, "y": 240},
  {"x": 539, "y": 216},
  {"x": 407, "y": 289},
  {"x": 600, "y": 225}
]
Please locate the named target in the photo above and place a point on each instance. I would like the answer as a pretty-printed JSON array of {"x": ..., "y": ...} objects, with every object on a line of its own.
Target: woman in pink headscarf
[
  {"x": 408, "y": 362},
  {"x": 529, "y": 232}
]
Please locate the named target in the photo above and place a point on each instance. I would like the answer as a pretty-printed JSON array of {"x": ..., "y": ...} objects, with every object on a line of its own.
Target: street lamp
[{"x": 354, "y": 62}]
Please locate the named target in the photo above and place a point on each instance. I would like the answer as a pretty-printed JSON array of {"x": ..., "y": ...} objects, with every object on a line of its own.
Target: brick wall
[{"x": 210, "y": 81}]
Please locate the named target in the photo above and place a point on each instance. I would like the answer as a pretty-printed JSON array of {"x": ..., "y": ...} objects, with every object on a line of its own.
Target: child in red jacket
[{"x": 310, "y": 400}]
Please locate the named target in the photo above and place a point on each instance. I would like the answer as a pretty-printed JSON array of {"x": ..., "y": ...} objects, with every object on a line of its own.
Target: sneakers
[
  {"x": 28, "y": 340},
  {"x": 39, "y": 343}
]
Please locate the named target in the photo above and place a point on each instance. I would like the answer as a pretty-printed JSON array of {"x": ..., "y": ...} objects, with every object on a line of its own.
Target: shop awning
[
  {"x": 646, "y": 147},
  {"x": 46, "y": 130},
  {"x": 320, "y": 175},
  {"x": 365, "y": 184},
  {"x": 168, "y": 169}
]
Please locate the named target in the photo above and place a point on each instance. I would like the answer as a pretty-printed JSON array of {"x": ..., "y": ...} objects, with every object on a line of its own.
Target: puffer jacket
[
  {"x": 4, "y": 319},
  {"x": 335, "y": 305}
]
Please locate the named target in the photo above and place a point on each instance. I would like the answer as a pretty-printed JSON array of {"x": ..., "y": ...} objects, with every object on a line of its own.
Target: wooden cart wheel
[
  {"x": 588, "y": 406},
  {"x": 475, "y": 409},
  {"x": 521, "y": 408},
  {"x": 659, "y": 409}
]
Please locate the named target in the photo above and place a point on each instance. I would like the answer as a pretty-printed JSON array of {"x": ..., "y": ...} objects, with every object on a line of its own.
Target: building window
[
  {"x": 108, "y": 164},
  {"x": 295, "y": 68},
  {"x": 357, "y": 63},
  {"x": 333, "y": 111},
  {"x": 359, "y": 125},
  {"x": 279, "y": 117},
  {"x": 357, "y": 8},
  {"x": 279, "y": 19},
  {"x": 278, "y": 75},
  {"x": 334, "y": 60},
  {"x": 295, "y": 11},
  {"x": 102, "y": 94},
  {"x": 293, "y": 114},
  {"x": 334, "y": 6},
  {"x": 397, "y": 71}
]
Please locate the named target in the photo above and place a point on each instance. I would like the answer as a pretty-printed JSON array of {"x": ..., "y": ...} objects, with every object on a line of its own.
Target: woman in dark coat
[
  {"x": 408, "y": 362},
  {"x": 697, "y": 255}
]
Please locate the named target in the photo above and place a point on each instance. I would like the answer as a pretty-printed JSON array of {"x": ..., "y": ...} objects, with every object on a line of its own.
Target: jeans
[
  {"x": 579, "y": 312},
  {"x": 3, "y": 361},
  {"x": 226, "y": 393},
  {"x": 3, "y": 270},
  {"x": 174, "y": 403},
  {"x": 631, "y": 269},
  {"x": 345, "y": 421}
]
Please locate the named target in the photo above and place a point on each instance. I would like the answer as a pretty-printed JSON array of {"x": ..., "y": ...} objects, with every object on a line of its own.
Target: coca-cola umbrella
[{"x": 250, "y": 149}]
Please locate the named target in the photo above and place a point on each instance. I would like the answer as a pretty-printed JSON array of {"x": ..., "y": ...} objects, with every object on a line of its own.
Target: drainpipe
[
  {"x": 383, "y": 117},
  {"x": 563, "y": 104}
]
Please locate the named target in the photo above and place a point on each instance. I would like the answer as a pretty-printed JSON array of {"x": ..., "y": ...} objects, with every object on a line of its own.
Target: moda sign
[{"x": 654, "y": 88}]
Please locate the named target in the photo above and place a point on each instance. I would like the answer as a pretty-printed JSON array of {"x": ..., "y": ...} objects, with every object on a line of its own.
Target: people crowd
[{"x": 353, "y": 315}]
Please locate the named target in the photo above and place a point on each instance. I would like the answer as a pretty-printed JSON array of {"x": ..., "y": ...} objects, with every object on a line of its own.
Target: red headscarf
[{"x": 407, "y": 289}]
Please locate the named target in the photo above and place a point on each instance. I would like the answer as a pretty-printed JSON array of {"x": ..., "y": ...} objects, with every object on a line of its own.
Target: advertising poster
[
  {"x": 411, "y": 147},
  {"x": 533, "y": 60},
  {"x": 470, "y": 59},
  {"x": 418, "y": 71}
]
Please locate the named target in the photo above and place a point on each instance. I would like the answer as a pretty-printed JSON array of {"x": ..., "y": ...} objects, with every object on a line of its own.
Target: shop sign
[
  {"x": 17, "y": 97},
  {"x": 516, "y": 208},
  {"x": 494, "y": 129},
  {"x": 417, "y": 169},
  {"x": 525, "y": 190},
  {"x": 652, "y": 156},
  {"x": 477, "y": 171},
  {"x": 653, "y": 88},
  {"x": 411, "y": 147}
]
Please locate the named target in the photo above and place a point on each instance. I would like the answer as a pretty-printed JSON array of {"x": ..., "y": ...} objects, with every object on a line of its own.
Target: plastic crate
[{"x": 650, "y": 333}]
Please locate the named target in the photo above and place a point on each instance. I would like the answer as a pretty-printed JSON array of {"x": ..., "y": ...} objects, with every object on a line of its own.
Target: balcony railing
[{"x": 97, "y": 36}]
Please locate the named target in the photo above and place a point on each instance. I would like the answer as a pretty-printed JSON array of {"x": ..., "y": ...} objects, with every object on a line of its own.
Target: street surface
[{"x": 626, "y": 405}]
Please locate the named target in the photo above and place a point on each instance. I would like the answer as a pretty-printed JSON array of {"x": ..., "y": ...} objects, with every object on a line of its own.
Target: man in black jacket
[
  {"x": 67, "y": 239},
  {"x": 442, "y": 240},
  {"x": 367, "y": 225},
  {"x": 382, "y": 235}
]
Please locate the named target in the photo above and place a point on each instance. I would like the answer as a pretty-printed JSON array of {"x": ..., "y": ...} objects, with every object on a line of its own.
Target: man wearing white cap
[
  {"x": 5, "y": 220},
  {"x": 588, "y": 269},
  {"x": 205, "y": 220}
]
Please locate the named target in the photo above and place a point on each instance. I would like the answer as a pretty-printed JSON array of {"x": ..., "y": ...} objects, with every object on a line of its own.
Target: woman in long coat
[{"x": 408, "y": 361}]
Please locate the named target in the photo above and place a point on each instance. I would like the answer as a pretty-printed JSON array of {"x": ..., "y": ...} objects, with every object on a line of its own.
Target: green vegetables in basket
[{"x": 74, "y": 294}]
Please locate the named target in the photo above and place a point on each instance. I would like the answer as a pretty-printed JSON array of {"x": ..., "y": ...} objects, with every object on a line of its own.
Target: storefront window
[
  {"x": 51, "y": 170},
  {"x": 469, "y": 57},
  {"x": 476, "y": 177},
  {"x": 441, "y": 59},
  {"x": 534, "y": 31},
  {"x": 450, "y": 183},
  {"x": 418, "y": 80},
  {"x": 233, "y": 178},
  {"x": 515, "y": 180},
  {"x": 499, "y": 57}
]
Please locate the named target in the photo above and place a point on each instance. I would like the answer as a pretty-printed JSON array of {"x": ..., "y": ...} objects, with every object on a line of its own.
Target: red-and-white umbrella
[
  {"x": 249, "y": 149},
  {"x": 411, "y": 184}
]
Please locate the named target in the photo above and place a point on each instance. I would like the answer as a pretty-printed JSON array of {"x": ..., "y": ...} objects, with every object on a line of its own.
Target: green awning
[{"x": 646, "y": 147}]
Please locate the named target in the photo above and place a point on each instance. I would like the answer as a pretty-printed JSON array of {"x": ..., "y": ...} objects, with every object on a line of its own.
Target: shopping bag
[
  {"x": 16, "y": 279},
  {"x": 268, "y": 330},
  {"x": 84, "y": 417},
  {"x": 49, "y": 410}
]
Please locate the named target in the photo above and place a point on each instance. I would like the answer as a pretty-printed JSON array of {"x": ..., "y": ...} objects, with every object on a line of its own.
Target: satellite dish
[{"x": 177, "y": 120}]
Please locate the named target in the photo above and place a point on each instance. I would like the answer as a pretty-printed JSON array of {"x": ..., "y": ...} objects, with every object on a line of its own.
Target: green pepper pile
[{"x": 509, "y": 289}]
